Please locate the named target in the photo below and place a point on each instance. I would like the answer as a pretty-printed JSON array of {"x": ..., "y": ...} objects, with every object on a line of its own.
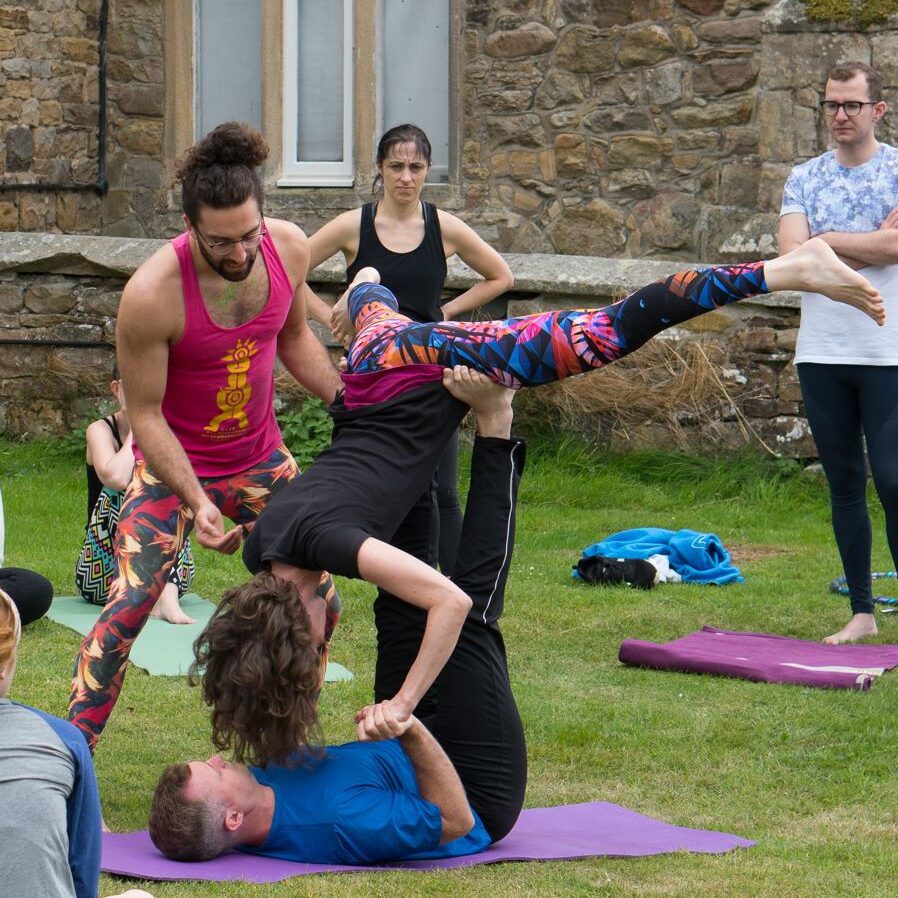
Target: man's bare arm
[
  {"x": 869, "y": 248},
  {"x": 794, "y": 231},
  {"x": 300, "y": 351},
  {"x": 438, "y": 781}
]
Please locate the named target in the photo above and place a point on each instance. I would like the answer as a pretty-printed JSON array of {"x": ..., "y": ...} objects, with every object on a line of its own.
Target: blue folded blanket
[{"x": 696, "y": 557}]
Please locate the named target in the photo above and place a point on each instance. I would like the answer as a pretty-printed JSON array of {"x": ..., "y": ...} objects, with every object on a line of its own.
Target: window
[
  {"x": 227, "y": 64},
  {"x": 318, "y": 84},
  {"x": 322, "y": 79},
  {"x": 410, "y": 41},
  {"x": 414, "y": 69}
]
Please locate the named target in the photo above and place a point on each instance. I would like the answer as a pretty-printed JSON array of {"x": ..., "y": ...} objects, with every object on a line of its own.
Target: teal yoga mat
[{"x": 162, "y": 649}]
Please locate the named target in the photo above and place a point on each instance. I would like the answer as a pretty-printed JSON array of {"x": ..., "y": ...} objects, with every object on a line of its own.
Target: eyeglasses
[
  {"x": 851, "y": 108},
  {"x": 225, "y": 247}
]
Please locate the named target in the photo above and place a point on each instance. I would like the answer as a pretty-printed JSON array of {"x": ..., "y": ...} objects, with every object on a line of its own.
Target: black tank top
[
  {"x": 415, "y": 277},
  {"x": 94, "y": 484}
]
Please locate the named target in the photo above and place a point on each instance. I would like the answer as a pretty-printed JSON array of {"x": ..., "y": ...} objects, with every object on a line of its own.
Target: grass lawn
[{"x": 807, "y": 773}]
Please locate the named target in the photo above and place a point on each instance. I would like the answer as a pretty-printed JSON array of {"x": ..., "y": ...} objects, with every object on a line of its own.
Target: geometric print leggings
[
  {"x": 538, "y": 349},
  {"x": 153, "y": 526}
]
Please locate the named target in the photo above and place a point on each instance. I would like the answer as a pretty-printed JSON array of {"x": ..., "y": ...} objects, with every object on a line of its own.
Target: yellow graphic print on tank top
[{"x": 233, "y": 398}]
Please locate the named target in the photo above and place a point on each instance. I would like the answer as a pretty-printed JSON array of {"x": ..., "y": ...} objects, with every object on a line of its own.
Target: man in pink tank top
[{"x": 200, "y": 326}]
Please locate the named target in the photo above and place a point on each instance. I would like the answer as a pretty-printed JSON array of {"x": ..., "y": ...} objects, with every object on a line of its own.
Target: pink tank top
[{"x": 220, "y": 389}]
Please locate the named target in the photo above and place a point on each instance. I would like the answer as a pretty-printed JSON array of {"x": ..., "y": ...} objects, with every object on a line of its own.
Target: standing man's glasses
[
  {"x": 852, "y": 107},
  {"x": 225, "y": 247}
]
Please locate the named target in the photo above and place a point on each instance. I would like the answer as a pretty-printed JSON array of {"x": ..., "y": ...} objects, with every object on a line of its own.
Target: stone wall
[
  {"x": 58, "y": 291},
  {"x": 634, "y": 128}
]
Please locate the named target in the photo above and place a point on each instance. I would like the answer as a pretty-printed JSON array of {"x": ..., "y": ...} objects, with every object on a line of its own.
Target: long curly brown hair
[
  {"x": 221, "y": 170},
  {"x": 260, "y": 672}
]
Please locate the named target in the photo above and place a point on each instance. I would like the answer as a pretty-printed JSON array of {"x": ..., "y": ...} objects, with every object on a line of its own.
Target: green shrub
[{"x": 306, "y": 429}]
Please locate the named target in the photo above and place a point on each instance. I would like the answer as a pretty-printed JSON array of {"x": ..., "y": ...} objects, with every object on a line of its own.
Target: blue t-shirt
[{"x": 359, "y": 804}]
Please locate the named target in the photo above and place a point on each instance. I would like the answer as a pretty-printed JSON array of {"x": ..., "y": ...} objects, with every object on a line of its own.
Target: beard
[{"x": 224, "y": 267}]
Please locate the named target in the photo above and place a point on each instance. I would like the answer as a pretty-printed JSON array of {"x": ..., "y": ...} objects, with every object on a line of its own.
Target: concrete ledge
[{"x": 535, "y": 273}]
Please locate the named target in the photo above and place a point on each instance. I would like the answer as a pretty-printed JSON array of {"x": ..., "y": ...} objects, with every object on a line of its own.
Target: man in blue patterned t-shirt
[{"x": 847, "y": 370}]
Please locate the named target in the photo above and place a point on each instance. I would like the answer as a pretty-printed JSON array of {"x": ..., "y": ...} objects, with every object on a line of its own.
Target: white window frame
[{"x": 296, "y": 173}]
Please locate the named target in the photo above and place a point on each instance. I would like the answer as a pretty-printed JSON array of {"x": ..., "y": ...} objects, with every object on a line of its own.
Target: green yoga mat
[{"x": 162, "y": 649}]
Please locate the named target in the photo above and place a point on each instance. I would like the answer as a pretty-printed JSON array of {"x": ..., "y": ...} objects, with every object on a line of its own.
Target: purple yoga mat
[
  {"x": 541, "y": 834},
  {"x": 765, "y": 658}
]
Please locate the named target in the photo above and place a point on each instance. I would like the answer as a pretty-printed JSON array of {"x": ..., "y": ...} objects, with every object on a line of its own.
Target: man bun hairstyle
[
  {"x": 222, "y": 170},
  {"x": 260, "y": 672},
  {"x": 845, "y": 71}
]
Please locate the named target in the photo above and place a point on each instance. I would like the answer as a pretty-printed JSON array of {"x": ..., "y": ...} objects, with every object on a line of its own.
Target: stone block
[
  {"x": 10, "y": 109},
  {"x": 571, "y": 155},
  {"x": 644, "y": 45},
  {"x": 505, "y": 100},
  {"x": 736, "y": 111},
  {"x": 608, "y": 13},
  {"x": 702, "y": 7},
  {"x": 523, "y": 163},
  {"x": 142, "y": 137},
  {"x": 754, "y": 339},
  {"x": 140, "y": 99},
  {"x": 622, "y": 88},
  {"x": 16, "y": 68},
  {"x": 11, "y": 297},
  {"x": 13, "y": 18},
  {"x": 697, "y": 140},
  {"x": 531, "y": 39},
  {"x": 685, "y": 36},
  {"x": 636, "y": 183},
  {"x": 799, "y": 60},
  {"x": 664, "y": 84},
  {"x": 585, "y": 49},
  {"x": 639, "y": 150},
  {"x": 79, "y": 49},
  {"x": 8, "y": 41},
  {"x": 517, "y": 73},
  {"x": 9, "y": 216},
  {"x": 741, "y": 30},
  {"x": 724, "y": 77},
  {"x": 559, "y": 89},
  {"x": 739, "y": 184},
  {"x": 526, "y": 129},
  {"x": 49, "y": 296},
  {"x": 667, "y": 220},
  {"x": 594, "y": 227},
  {"x": 775, "y": 121},
  {"x": 740, "y": 141},
  {"x": 770, "y": 186},
  {"x": 618, "y": 118},
  {"x": 19, "y": 149},
  {"x": 136, "y": 39}
]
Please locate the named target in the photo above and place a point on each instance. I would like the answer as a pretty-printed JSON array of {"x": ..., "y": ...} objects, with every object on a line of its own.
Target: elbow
[{"x": 457, "y": 825}]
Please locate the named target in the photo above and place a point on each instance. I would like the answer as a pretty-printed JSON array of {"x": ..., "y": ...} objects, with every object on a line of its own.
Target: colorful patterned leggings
[
  {"x": 542, "y": 348},
  {"x": 153, "y": 525}
]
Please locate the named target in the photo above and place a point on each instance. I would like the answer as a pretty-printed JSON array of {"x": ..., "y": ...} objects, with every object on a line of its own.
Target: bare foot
[
  {"x": 815, "y": 268},
  {"x": 859, "y": 627},
  {"x": 490, "y": 402},
  {"x": 342, "y": 327},
  {"x": 168, "y": 608}
]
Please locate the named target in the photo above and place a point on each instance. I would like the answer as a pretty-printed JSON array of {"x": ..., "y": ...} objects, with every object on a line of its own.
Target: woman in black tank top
[{"x": 408, "y": 241}]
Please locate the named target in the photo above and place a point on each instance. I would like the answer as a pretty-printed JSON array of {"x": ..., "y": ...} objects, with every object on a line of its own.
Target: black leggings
[
  {"x": 846, "y": 404},
  {"x": 470, "y": 708},
  {"x": 32, "y": 593}
]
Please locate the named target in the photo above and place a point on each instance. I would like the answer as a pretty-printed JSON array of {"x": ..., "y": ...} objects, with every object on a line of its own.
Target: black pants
[
  {"x": 470, "y": 708},
  {"x": 845, "y": 405},
  {"x": 31, "y": 593}
]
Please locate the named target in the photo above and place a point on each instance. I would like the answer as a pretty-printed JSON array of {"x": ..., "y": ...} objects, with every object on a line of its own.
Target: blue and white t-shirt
[{"x": 852, "y": 200}]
